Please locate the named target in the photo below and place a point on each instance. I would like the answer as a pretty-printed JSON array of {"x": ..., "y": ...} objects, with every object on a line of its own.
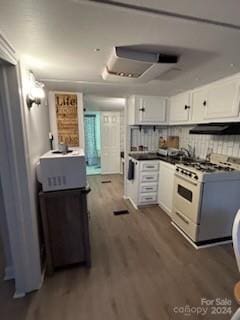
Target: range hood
[{"x": 216, "y": 128}]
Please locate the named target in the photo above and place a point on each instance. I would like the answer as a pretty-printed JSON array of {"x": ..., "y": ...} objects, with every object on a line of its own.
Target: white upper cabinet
[
  {"x": 179, "y": 108},
  {"x": 216, "y": 102},
  {"x": 146, "y": 110},
  {"x": 198, "y": 104},
  {"x": 222, "y": 100}
]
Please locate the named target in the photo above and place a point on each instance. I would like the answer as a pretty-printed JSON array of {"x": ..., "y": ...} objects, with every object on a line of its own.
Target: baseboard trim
[
  {"x": 132, "y": 203},
  {"x": 203, "y": 246},
  {"x": 105, "y": 173},
  {"x": 165, "y": 209},
  {"x": 18, "y": 295},
  {"x": 8, "y": 273}
]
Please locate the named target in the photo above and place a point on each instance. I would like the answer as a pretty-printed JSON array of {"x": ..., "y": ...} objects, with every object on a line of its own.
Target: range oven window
[{"x": 185, "y": 193}]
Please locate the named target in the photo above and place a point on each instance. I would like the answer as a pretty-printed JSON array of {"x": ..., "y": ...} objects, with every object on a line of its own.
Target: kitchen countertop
[{"x": 153, "y": 156}]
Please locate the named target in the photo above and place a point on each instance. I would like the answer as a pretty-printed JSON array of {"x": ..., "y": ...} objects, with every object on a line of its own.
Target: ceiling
[
  {"x": 57, "y": 39},
  {"x": 98, "y": 103}
]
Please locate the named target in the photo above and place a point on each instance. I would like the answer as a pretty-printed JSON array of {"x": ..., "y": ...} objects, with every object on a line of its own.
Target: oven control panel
[{"x": 187, "y": 173}]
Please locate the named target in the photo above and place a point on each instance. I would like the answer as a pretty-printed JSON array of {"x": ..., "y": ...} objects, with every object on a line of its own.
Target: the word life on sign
[{"x": 67, "y": 119}]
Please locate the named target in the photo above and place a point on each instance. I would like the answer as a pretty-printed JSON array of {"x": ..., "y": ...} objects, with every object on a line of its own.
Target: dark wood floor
[{"x": 142, "y": 269}]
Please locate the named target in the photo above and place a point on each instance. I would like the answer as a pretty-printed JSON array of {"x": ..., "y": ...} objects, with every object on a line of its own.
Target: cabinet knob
[
  {"x": 204, "y": 103},
  {"x": 142, "y": 109},
  {"x": 186, "y": 107}
]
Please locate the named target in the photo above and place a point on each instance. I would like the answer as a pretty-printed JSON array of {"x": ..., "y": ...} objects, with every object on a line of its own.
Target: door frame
[
  {"x": 97, "y": 114},
  {"x": 21, "y": 222}
]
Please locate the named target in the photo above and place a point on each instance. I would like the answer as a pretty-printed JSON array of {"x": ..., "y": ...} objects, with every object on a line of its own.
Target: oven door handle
[
  {"x": 184, "y": 219},
  {"x": 186, "y": 179}
]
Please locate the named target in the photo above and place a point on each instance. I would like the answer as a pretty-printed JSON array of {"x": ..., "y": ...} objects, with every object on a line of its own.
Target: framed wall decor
[{"x": 66, "y": 118}]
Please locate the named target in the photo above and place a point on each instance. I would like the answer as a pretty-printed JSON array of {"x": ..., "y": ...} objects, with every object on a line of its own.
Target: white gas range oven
[{"x": 207, "y": 198}]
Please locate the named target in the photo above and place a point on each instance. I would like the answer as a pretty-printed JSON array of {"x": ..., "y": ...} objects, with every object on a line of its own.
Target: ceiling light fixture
[{"x": 36, "y": 92}]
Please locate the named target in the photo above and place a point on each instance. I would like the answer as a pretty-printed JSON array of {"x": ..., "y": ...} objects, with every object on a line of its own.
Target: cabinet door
[
  {"x": 152, "y": 110},
  {"x": 198, "y": 106},
  {"x": 166, "y": 186},
  {"x": 223, "y": 100},
  {"x": 179, "y": 107}
]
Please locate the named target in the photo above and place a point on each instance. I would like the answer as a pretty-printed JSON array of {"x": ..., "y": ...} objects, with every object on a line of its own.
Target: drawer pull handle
[
  {"x": 182, "y": 218},
  {"x": 148, "y": 188},
  {"x": 150, "y": 167},
  {"x": 149, "y": 178},
  {"x": 148, "y": 198}
]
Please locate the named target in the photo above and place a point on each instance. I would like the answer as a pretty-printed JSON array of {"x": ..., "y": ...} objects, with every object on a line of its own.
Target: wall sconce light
[{"x": 36, "y": 92}]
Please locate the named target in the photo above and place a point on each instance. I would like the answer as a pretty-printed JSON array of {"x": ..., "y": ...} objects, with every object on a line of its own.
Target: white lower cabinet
[
  {"x": 143, "y": 189},
  {"x": 166, "y": 186}
]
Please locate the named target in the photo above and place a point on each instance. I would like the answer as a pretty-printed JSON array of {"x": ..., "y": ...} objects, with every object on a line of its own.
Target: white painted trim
[
  {"x": 15, "y": 177},
  {"x": 197, "y": 247},
  {"x": 53, "y": 117},
  {"x": 133, "y": 203},
  {"x": 8, "y": 273},
  {"x": 19, "y": 295},
  {"x": 7, "y": 52},
  {"x": 165, "y": 209},
  {"x": 106, "y": 173}
]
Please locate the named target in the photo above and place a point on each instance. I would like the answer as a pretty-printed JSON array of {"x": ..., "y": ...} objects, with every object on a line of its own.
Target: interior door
[{"x": 110, "y": 142}]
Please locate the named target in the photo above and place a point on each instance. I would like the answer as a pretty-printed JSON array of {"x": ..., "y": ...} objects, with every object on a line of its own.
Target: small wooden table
[{"x": 65, "y": 220}]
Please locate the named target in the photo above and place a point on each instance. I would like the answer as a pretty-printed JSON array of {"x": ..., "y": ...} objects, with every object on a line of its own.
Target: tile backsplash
[
  {"x": 147, "y": 137},
  {"x": 229, "y": 145}
]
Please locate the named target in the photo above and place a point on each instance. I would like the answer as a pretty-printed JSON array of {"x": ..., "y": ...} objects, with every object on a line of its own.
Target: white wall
[
  {"x": 36, "y": 129},
  {"x": 146, "y": 137}
]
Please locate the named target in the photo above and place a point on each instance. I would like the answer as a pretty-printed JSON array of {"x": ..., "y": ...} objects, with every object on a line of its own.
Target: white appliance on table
[
  {"x": 58, "y": 171},
  {"x": 207, "y": 197}
]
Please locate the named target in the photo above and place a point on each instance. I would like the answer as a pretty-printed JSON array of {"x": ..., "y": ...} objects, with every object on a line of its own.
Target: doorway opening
[{"x": 92, "y": 129}]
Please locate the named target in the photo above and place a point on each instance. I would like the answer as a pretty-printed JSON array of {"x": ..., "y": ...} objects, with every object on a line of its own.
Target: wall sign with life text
[{"x": 67, "y": 118}]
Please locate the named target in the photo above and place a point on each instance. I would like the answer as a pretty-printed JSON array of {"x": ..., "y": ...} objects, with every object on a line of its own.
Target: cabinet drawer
[
  {"x": 185, "y": 224},
  {"x": 149, "y": 166},
  {"x": 148, "y": 198},
  {"x": 149, "y": 187},
  {"x": 149, "y": 177}
]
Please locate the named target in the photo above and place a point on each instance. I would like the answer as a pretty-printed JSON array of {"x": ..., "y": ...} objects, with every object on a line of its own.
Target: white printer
[{"x": 58, "y": 171}]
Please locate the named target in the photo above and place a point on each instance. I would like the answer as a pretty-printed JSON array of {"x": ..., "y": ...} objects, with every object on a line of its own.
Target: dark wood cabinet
[{"x": 65, "y": 220}]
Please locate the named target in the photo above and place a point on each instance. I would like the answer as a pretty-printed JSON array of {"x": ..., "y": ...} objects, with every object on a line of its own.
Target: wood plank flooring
[{"x": 142, "y": 269}]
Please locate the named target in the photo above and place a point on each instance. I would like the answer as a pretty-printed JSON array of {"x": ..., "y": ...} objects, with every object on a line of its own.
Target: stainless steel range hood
[{"x": 216, "y": 128}]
